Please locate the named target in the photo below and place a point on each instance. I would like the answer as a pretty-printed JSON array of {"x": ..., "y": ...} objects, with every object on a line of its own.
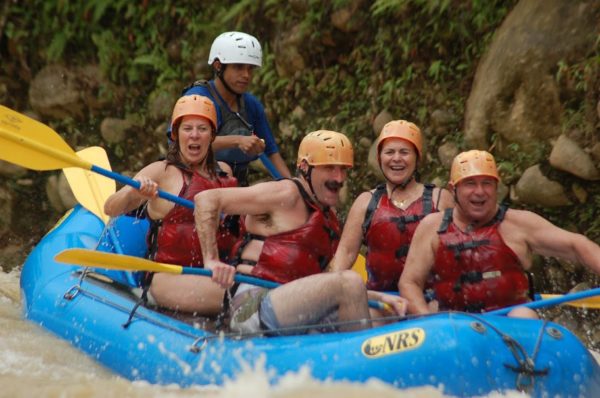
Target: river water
[{"x": 33, "y": 363}]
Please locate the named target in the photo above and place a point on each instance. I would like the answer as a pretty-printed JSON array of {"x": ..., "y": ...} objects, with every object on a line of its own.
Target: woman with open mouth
[{"x": 188, "y": 169}]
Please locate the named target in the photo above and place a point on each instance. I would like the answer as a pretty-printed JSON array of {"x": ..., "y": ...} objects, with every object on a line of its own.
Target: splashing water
[{"x": 35, "y": 363}]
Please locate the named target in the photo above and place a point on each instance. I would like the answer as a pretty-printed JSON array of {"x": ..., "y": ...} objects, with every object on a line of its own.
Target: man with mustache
[
  {"x": 244, "y": 132},
  {"x": 478, "y": 251},
  {"x": 292, "y": 234}
]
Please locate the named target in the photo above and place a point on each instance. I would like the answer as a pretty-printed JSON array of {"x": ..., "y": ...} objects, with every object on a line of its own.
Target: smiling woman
[
  {"x": 188, "y": 169},
  {"x": 386, "y": 217}
]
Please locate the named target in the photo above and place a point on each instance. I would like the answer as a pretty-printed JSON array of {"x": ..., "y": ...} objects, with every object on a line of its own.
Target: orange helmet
[
  {"x": 473, "y": 163},
  {"x": 404, "y": 130},
  {"x": 324, "y": 147},
  {"x": 196, "y": 105}
]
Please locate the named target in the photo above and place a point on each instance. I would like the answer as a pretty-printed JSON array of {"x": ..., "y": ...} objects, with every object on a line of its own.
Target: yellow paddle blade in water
[
  {"x": 33, "y": 145},
  {"x": 90, "y": 189}
]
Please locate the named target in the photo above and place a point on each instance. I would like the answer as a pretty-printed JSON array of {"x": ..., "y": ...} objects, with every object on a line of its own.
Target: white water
[{"x": 34, "y": 363}]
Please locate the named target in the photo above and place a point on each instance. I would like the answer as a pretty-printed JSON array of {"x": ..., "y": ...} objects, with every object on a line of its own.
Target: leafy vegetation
[{"x": 408, "y": 57}]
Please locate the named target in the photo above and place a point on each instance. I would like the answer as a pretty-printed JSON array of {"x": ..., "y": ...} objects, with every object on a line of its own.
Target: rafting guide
[{"x": 243, "y": 129}]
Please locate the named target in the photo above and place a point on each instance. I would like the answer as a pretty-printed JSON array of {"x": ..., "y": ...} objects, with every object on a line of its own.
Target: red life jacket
[
  {"x": 301, "y": 252},
  {"x": 387, "y": 232},
  {"x": 477, "y": 271},
  {"x": 176, "y": 240}
]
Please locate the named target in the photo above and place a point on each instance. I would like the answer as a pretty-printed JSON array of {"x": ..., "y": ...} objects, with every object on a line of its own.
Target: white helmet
[{"x": 236, "y": 48}]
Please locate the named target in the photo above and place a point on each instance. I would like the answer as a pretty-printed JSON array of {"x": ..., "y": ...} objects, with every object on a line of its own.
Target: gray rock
[
  {"x": 289, "y": 58},
  {"x": 64, "y": 192},
  {"x": 11, "y": 170},
  {"x": 381, "y": 120},
  {"x": 514, "y": 93},
  {"x": 373, "y": 164},
  {"x": 534, "y": 188},
  {"x": 98, "y": 92},
  {"x": 115, "y": 130},
  {"x": 160, "y": 105},
  {"x": 6, "y": 205},
  {"x": 503, "y": 192},
  {"x": 365, "y": 142},
  {"x": 566, "y": 155},
  {"x": 52, "y": 194},
  {"x": 55, "y": 92},
  {"x": 446, "y": 153},
  {"x": 440, "y": 121}
]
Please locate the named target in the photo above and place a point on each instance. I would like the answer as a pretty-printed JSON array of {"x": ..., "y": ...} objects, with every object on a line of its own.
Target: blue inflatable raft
[{"x": 465, "y": 355}]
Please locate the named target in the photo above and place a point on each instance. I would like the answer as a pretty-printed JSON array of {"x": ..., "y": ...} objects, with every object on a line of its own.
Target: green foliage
[
  {"x": 409, "y": 57},
  {"x": 405, "y": 56}
]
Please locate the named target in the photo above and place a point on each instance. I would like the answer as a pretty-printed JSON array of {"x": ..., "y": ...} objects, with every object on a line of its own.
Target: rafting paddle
[
  {"x": 97, "y": 259},
  {"x": 561, "y": 299},
  {"x": 587, "y": 303},
  {"x": 91, "y": 190},
  {"x": 31, "y": 144},
  {"x": 34, "y": 145}
]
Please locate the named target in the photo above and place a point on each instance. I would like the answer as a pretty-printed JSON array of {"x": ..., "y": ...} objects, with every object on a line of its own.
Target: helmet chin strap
[
  {"x": 220, "y": 73},
  {"x": 473, "y": 223},
  {"x": 307, "y": 176},
  {"x": 404, "y": 183}
]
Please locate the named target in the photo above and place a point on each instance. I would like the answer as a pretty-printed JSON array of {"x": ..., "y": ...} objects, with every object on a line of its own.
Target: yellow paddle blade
[
  {"x": 33, "y": 145},
  {"x": 90, "y": 189},
  {"x": 96, "y": 259},
  {"x": 590, "y": 302},
  {"x": 360, "y": 266}
]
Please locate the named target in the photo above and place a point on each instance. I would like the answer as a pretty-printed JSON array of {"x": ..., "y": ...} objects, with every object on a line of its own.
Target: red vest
[
  {"x": 477, "y": 271},
  {"x": 177, "y": 240},
  {"x": 387, "y": 232},
  {"x": 301, "y": 252}
]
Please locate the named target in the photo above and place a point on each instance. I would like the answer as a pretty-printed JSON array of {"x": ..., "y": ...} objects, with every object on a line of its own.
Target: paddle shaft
[
  {"x": 136, "y": 184},
  {"x": 269, "y": 166},
  {"x": 258, "y": 282},
  {"x": 549, "y": 302},
  {"x": 186, "y": 203},
  {"x": 165, "y": 195},
  {"x": 99, "y": 259},
  {"x": 238, "y": 277}
]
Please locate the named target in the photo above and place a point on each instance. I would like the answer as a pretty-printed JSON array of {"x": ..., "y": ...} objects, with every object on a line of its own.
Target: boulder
[
  {"x": 446, "y": 153},
  {"x": 6, "y": 206},
  {"x": 115, "y": 130},
  {"x": 568, "y": 156},
  {"x": 289, "y": 58},
  {"x": 55, "y": 92},
  {"x": 514, "y": 94},
  {"x": 534, "y": 188},
  {"x": 381, "y": 120}
]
